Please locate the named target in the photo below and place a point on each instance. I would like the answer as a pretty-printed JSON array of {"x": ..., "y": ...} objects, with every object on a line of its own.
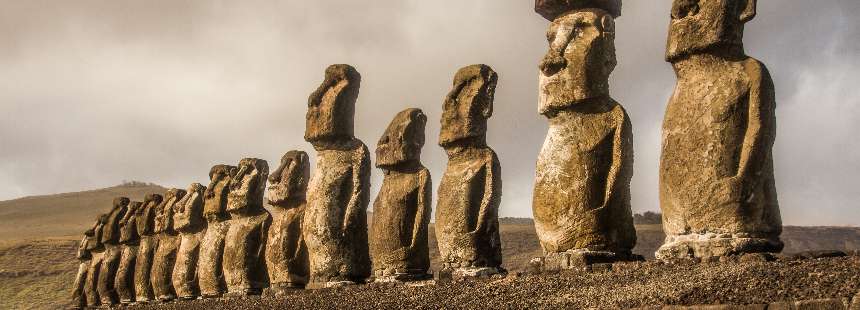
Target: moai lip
[
  {"x": 552, "y": 9},
  {"x": 210, "y": 267},
  {"x": 189, "y": 222},
  {"x": 286, "y": 252},
  {"x": 243, "y": 261}
]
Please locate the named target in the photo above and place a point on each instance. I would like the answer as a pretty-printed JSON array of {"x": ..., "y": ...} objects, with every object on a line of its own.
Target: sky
[{"x": 94, "y": 92}]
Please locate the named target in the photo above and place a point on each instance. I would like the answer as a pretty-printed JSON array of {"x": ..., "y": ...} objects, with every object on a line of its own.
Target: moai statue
[
  {"x": 164, "y": 259},
  {"x": 188, "y": 221},
  {"x": 129, "y": 241},
  {"x": 210, "y": 272},
  {"x": 244, "y": 261},
  {"x": 286, "y": 253},
  {"x": 96, "y": 249},
  {"x": 467, "y": 219},
  {"x": 146, "y": 250},
  {"x": 335, "y": 223},
  {"x": 717, "y": 187},
  {"x": 113, "y": 252},
  {"x": 79, "y": 298},
  {"x": 401, "y": 211},
  {"x": 581, "y": 199}
]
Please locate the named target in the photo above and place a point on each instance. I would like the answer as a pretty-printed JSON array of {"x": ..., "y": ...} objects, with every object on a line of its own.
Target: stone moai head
[
  {"x": 403, "y": 139},
  {"x": 290, "y": 181},
  {"x": 331, "y": 108},
  {"x": 700, "y": 26},
  {"x": 468, "y": 106},
  {"x": 551, "y": 9},
  {"x": 135, "y": 207},
  {"x": 215, "y": 196},
  {"x": 189, "y": 210},
  {"x": 248, "y": 186},
  {"x": 120, "y": 202},
  {"x": 162, "y": 221},
  {"x": 149, "y": 199},
  {"x": 580, "y": 59}
]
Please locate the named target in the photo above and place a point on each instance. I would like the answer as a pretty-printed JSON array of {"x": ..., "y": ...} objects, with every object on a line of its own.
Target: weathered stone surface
[
  {"x": 244, "y": 261},
  {"x": 96, "y": 249},
  {"x": 717, "y": 187},
  {"x": 146, "y": 250},
  {"x": 79, "y": 298},
  {"x": 168, "y": 244},
  {"x": 110, "y": 261},
  {"x": 552, "y": 9},
  {"x": 286, "y": 252},
  {"x": 209, "y": 267},
  {"x": 129, "y": 241},
  {"x": 581, "y": 199},
  {"x": 335, "y": 222},
  {"x": 401, "y": 211},
  {"x": 467, "y": 224},
  {"x": 188, "y": 221}
]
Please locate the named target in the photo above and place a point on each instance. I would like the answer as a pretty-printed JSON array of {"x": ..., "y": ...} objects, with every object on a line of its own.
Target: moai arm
[
  {"x": 422, "y": 213},
  {"x": 360, "y": 196},
  {"x": 622, "y": 154},
  {"x": 760, "y": 121},
  {"x": 491, "y": 180}
]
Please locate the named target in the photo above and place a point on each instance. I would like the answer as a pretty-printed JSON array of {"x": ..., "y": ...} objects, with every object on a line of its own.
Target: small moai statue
[
  {"x": 581, "y": 199},
  {"x": 244, "y": 251},
  {"x": 286, "y": 252},
  {"x": 189, "y": 223},
  {"x": 129, "y": 241},
  {"x": 335, "y": 222},
  {"x": 161, "y": 275},
  {"x": 79, "y": 298},
  {"x": 96, "y": 249},
  {"x": 113, "y": 252},
  {"x": 717, "y": 190},
  {"x": 467, "y": 219},
  {"x": 210, "y": 272},
  {"x": 401, "y": 211},
  {"x": 146, "y": 250}
]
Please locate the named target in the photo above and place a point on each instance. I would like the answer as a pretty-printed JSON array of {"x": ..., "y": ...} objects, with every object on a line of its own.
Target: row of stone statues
[{"x": 716, "y": 178}]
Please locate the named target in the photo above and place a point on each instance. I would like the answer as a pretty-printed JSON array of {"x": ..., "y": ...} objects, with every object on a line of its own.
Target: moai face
[
  {"x": 248, "y": 186},
  {"x": 290, "y": 181},
  {"x": 120, "y": 202},
  {"x": 580, "y": 59},
  {"x": 189, "y": 210},
  {"x": 331, "y": 108},
  {"x": 403, "y": 139},
  {"x": 551, "y": 9},
  {"x": 164, "y": 218},
  {"x": 468, "y": 106},
  {"x": 215, "y": 199},
  {"x": 701, "y": 25}
]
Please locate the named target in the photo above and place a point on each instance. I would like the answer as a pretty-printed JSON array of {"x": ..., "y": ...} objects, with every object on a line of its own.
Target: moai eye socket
[{"x": 684, "y": 8}]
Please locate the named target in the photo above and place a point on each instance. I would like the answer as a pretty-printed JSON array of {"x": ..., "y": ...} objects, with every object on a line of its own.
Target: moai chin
[
  {"x": 209, "y": 267},
  {"x": 717, "y": 189},
  {"x": 335, "y": 221},
  {"x": 189, "y": 223},
  {"x": 581, "y": 199},
  {"x": 130, "y": 244},
  {"x": 146, "y": 250},
  {"x": 244, "y": 262},
  {"x": 96, "y": 249},
  {"x": 401, "y": 211},
  {"x": 467, "y": 219},
  {"x": 168, "y": 244},
  {"x": 111, "y": 234},
  {"x": 83, "y": 255},
  {"x": 286, "y": 252}
]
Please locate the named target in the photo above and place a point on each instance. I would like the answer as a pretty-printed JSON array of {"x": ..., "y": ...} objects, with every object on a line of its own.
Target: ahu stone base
[
  {"x": 578, "y": 259},
  {"x": 463, "y": 273},
  {"x": 715, "y": 245},
  {"x": 400, "y": 275},
  {"x": 280, "y": 289}
]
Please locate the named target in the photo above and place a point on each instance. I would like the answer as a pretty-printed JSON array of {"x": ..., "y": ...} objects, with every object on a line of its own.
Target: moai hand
[
  {"x": 286, "y": 252},
  {"x": 244, "y": 261},
  {"x": 189, "y": 222},
  {"x": 209, "y": 268},
  {"x": 168, "y": 243},
  {"x": 146, "y": 250}
]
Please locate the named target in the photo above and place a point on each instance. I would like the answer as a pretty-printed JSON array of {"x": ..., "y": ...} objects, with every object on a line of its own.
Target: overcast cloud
[{"x": 96, "y": 92}]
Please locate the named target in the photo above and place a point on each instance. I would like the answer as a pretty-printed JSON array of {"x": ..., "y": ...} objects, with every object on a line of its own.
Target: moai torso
[
  {"x": 244, "y": 263},
  {"x": 401, "y": 211},
  {"x": 189, "y": 222},
  {"x": 209, "y": 267},
  {"x": 286, "y": 252}
]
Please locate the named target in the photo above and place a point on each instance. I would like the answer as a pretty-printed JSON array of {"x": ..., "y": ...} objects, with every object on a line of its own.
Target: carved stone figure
[
  {"x": 79, "y": 298},
  {"x": 168, "y": 244},
  {"x": 244, "y": 260},
  {"x": 581, "y": 199},
  {"x": 286, "y": 253},
  {"x": 335, "y": 222},
  {"x": 401, "y": 211},
  {"x": 209, "y": 267},
  {"x": 129, "y": 241},
  {"x": 96, "y": 249},
  {"x": 146, "y": 250},
  {"x": 717, "y": 187},
  {"x": 188, "y": 221},
  {"x": 467, "y": 223},
  {"x": 112, "y": 253}
]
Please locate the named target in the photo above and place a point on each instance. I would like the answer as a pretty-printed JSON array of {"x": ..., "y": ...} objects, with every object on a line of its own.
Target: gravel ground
[{"x": 626, "y": 285}]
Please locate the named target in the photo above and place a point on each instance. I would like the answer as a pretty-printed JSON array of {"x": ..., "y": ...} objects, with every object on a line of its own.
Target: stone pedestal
[
  {"x": 715, "y": 245},
  {"x": 578, "y": 260}
]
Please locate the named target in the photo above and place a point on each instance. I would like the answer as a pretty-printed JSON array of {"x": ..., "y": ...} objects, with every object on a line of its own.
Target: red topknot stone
[{"x": 551, "y": 9}]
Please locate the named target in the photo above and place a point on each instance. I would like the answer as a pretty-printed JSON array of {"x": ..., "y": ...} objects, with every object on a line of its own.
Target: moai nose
[{"x": 552, "y": 63}]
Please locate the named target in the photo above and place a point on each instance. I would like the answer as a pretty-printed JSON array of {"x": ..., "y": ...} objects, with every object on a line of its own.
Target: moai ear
[{"x": 748, "y": 12}]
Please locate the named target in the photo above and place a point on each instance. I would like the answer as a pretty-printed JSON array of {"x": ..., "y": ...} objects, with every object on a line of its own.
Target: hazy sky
[{"x": 96, "y": 92}]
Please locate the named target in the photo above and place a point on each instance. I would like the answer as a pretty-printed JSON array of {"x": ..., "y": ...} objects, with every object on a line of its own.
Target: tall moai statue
[
  {"x": 401, "y": 211},
  {"x": 286, "y": 252},
  {"x": 189, "y": 223},
  {"x": 96, "y": 249},
  {"x": 581, "y": 199},
  {"x": 209, "y": 266},
  {"x": 467, "y": 219},
  {"x": 110, "y": 262},
  {"x": 335, "y": 222},
  {"x": 79, "y": 298},
  {"x": 164, "y": 259},
  {"x": 717, "y": 187},
  {"x": 244, "y": 250},
  {"x": 129, "y": 241},
  {"x": 146, "y": 250}
]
